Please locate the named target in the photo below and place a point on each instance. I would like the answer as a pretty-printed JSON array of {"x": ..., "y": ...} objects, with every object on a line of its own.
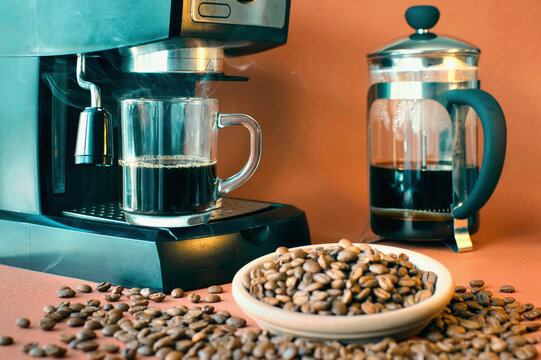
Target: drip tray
[{"x": 111, "y": 212}]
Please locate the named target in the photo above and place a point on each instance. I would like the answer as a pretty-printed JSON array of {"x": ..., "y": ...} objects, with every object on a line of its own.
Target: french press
[{"x": 423, "y": 105}]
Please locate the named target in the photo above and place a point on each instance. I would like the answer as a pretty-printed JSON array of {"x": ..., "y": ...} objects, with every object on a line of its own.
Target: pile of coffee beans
[
  {"x": 144, "y": 329},
  {"x": 345, "y": 279}
]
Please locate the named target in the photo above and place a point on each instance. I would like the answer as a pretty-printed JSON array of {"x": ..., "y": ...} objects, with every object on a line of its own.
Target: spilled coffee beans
[{"x": 474, "y": 325}]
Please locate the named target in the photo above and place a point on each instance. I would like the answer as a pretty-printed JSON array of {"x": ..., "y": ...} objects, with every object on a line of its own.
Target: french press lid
[{"x": 423, "y": 49}]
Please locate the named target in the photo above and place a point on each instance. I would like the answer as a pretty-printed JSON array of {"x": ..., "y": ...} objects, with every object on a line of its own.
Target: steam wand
[
  {"x": 94, "y": 144},
  {"x": 95, "y": 93}
]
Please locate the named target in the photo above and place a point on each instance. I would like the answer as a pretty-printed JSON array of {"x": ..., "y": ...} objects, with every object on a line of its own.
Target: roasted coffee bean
[
  {"x": 236, "y": 322},
  {"x": 129, "y": 354},
  {"x": 475, "y": 290},
  {"x": 194, "y": 298},
  {"x": 111, "y": 348},
  {"x": 113, "y": 318},
  {"x": 174, "y": 355},
  {"x": 54, "y": 351},
  {"x": 378, "y": 269},
  {"x": 132, "y": 292},
  {"x": 298, "y": 253},
  {"x": 104, "y": 286},
  {"x": 112, "y": 297},
  {"x": 311, "y": 266},
  {"x": 483, "y": 298},
  {"x": 507, "y": 289},
  {"x": 81, "y": 315},
  {"x": 54, "y": 317},
  {"x": 49, "y": 309},
  {"x": 84, "y": 288},
  {"x": 75, "y": 322},
  {"x": 215, "y": 289},
  {"x": 6, "y": 340},
  {"x": 110, "y": 330},
  {"x": 93, "y": 325},
  {"x": 177, "y": 293},
  {"x": 118, "y": 290},
  {"x": 166, "y": 341},
  {"x": 77, "y": 307},
  {"x": 526, "y": 352},
  {"x": 66, "y": 338},
  {"x": 497, "y": 302},
  {"x": 27, "y": 347},
  {"x": 146, "y": 292},
  {"x": 162, "y": 352},
  {"x": 65, "y": 292},
  {"x": 122, "y": 307},
  {"x": 93, "y": 302},
  {"x": 36, "y": 352},
  {"x": 477, "y": 283},
  {"x": 47, "y": 324},
  {"x": 23, "y": 323},
  {"x": 213, "y": 298},
  {"x": 157, "y": 297},
  {"x": 87, "y": 345},
  {"x": 141, "y": 302},
  {"x": 85, "y": 334},
  {"x": 145, "y": 350},
  {"x": 221, "y": 316},
  {"x": 208, "y": 309},
  {"x": 96, "y": 355}
]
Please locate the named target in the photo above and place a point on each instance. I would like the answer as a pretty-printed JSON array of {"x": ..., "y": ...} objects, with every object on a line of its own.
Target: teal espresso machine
[{"x": 64, "y": 67}]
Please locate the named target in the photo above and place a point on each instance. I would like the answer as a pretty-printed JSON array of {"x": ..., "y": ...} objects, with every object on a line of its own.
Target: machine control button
[{"x": 214, "y": 10}]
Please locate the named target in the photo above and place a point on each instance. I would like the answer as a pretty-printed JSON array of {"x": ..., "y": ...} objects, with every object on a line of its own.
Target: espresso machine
[{"x": 64, "y": 67}]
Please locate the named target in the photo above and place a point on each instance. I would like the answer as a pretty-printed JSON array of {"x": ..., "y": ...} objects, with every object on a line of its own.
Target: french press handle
[{"x": 494, "y": 144}]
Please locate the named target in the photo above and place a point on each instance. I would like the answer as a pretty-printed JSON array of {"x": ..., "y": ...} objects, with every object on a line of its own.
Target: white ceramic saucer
[{"x": 398, "y": 324}]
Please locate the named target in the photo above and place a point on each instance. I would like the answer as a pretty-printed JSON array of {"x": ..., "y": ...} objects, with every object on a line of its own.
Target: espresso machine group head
[{"x": 64, "y": 67}]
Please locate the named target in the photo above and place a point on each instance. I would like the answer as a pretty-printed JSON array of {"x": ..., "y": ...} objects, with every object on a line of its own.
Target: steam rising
[{"x": 60, "y": 92}]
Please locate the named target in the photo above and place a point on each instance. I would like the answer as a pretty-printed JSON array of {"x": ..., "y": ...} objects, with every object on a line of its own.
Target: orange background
[{"x": 309, "y": 97}]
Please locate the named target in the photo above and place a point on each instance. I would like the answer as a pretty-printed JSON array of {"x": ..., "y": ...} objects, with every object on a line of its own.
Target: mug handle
[
  {"x": 494, "y": 143},
  {"x": 230, "y": 184}
]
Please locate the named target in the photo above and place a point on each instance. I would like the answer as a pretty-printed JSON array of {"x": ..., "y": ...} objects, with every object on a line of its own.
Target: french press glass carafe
[{"x": 423, "y": 104}]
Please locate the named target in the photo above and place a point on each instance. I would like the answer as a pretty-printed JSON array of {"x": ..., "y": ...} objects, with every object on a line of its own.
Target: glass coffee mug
[{"x": 168, "y": 160}]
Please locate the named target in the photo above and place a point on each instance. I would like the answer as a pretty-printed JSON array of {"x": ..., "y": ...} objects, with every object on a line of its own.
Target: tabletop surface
[{"x": 497, "y": 261}]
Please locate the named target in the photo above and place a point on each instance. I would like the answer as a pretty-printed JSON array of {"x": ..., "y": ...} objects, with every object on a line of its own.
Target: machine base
[{"x": 158, "y": 258}]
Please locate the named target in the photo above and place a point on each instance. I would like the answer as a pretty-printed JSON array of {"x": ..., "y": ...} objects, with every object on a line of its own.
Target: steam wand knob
[{"x": 94, "y": 144}]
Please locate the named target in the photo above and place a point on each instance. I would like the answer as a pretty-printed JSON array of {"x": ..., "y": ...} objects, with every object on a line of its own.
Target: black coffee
[
  {"x": 169, "y": 185},
  {"x": 410, "y": 203}
]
